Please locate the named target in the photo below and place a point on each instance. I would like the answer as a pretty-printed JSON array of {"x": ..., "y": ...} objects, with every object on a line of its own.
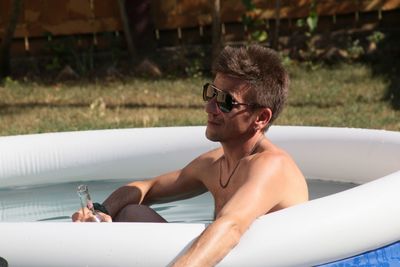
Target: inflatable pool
[{"x": 356, "y": 227}]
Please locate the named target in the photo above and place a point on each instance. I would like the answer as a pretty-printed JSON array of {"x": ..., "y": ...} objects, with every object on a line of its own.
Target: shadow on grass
[
  {"x": 29, "y": 105},
  {"x": 385, "y": 62},
  {"x": 321, "y": 105}
]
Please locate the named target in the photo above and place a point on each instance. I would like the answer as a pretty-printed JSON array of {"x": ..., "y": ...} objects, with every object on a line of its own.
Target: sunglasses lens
[
  {"x": 208, "y": 92},
  {"x": 224, "y": 100}
]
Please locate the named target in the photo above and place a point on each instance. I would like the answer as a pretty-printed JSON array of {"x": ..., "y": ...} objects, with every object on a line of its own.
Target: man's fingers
[
  {"x": 77, "y": 217},
  {"x": 105, "y": 217},
  {"x": 89, "y": 217},
  {"x": 81, "y": 215}
]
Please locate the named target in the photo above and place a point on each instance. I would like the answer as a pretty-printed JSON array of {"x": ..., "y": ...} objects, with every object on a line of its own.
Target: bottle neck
[{"x": 86, "y": 202}]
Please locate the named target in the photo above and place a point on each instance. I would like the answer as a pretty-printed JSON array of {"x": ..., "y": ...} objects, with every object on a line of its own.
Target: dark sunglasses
[{"x": 225, "y": 101}]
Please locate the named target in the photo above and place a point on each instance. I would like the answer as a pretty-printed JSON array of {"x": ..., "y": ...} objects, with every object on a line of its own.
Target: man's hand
[{"x": 87, "y": 216}]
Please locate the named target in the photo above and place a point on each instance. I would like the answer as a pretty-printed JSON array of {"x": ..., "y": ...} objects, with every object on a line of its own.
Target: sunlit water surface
[{"x": 57, "y": 202}]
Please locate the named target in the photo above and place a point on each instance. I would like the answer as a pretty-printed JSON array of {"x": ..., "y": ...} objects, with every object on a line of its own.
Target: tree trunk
[
  {"x": 6, "y": 40},
  {"x": 142, "y": 26},
  {"x": 216, "y": 29},
  {"x": 127, "y": 30},
  {"x": 275, "y": 44}
]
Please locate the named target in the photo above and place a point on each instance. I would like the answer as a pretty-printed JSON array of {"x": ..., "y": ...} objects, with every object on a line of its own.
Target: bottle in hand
[{"x": 86, "y": 202}]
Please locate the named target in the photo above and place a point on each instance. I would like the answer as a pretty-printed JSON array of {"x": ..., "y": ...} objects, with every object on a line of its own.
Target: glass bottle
[{"x": 86, "y": 201}]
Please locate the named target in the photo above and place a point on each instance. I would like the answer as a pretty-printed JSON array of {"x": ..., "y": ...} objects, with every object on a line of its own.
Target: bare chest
[{"x": 221, "y": 189}]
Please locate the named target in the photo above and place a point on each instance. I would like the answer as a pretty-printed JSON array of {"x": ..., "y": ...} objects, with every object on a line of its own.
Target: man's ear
[{"x": 263, "y": 118}]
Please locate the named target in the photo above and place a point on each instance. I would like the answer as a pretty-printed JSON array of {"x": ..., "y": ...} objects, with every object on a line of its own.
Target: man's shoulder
[
  {"x": 204, "y": 162},
  {"x": 273, "y": 152},
  {"x": 210, "y": 155},
  {"x": 206, "y": 159},
  {"x": 271, "y": 160}
]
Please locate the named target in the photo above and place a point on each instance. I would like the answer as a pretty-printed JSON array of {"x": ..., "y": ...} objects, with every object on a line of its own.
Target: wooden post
[
  {"x": 95, "y": 42},
  {"x": 127, "y": 30},
  {"x": 216, "y": 29},
  {"x": 92, "y": 22},
  {"x": 357, "y": 13},
  {"x": 5, "y": 45},
  {"x": 26, "y": 43},
  {"x": 179, "y": 31},
  {"x": 275, "y": 43}
]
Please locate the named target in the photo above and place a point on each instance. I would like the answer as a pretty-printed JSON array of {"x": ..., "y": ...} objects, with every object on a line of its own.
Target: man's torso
[{"x": 215, "y": 176}]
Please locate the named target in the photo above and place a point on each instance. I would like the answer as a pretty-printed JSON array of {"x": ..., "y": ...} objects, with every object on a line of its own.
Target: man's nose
[{"x": 212, "y": 107}]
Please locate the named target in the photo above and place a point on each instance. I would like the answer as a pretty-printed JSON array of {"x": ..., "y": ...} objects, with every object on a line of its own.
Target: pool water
[{"x": 56, "y": 202}]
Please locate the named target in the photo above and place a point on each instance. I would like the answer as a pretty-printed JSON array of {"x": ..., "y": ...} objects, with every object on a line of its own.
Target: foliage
[
  {"x": 10, "y": 83},
  {"x": 311, "y": 21},
  {"x": 195, "y": 68},
  {"x": 312, "y": 18},
  {"x": 355, "y": 49},
  {"x": 65, "y": 52},
  {"x": 311, "y": 24},
  {"x": 114, "y": 47},
  {"x": 78, "y": 54},
  {"x": 376, "y": 37},
  {"x": 185, "y": 61},
  {"x": 256, "y": 26}
]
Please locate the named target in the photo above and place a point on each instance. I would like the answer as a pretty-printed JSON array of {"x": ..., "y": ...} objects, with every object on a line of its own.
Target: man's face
[{"x": 237, "y": 123}]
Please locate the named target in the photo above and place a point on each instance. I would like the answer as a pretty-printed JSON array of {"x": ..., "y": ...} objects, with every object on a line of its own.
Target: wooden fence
[
  {"x": 171, "y": 14},
  {"x": 42, "y": 18}
]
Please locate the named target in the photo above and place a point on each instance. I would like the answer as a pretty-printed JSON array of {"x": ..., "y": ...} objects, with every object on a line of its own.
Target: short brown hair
[{"x": 262, "y": 69}]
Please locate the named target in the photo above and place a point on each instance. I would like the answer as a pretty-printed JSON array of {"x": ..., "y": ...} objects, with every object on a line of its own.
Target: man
[{"x": 248, "y": 176}]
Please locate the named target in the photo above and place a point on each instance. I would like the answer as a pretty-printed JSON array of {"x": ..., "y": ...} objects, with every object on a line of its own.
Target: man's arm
[
  {"x": 171, "y": 186},
  {"x": 164, "y": 188},
  {"x": 260, "y": 193}
]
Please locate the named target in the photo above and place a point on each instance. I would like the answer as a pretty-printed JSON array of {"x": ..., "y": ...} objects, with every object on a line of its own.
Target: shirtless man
[{"x": 248, "y": 176}]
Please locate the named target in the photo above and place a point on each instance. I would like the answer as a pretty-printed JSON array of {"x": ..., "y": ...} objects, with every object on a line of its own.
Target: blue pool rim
[{"x": 387, "y": 256}]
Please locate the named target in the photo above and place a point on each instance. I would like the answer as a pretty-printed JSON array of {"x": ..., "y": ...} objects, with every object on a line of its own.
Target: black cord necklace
[{"x": 237, "y": 164}]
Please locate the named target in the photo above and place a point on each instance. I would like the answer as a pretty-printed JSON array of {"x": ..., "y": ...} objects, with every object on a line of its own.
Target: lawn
[{"x": 344, "y": 95}]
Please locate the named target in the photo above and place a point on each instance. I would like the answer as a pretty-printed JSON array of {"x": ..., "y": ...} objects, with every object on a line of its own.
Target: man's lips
[{"x": 213, "y": 122}]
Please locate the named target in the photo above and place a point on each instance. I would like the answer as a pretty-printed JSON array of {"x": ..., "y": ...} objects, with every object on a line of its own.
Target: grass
[{"x": 346, "y": 95}]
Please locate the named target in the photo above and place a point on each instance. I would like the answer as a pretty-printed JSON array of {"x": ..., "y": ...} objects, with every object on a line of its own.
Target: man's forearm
[
  {"x": 125, "y": 195},
  {"x": 212, "y": 245}
]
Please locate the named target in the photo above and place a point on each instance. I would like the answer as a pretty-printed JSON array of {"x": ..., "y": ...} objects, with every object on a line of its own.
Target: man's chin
[{"x": 212, "y": 136}]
